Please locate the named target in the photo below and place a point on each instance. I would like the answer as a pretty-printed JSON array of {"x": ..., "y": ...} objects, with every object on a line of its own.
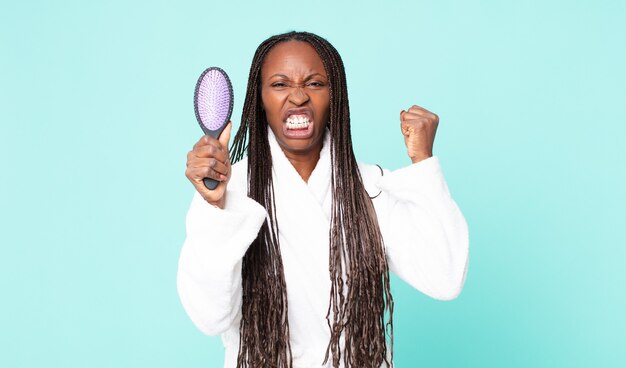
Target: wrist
[
  {"x": 417, "y": 158},
  {"x": 220, "y": 203}
]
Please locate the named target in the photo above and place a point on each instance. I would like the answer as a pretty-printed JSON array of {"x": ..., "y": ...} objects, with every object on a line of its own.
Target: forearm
[
  {"x": 426, "y": 234},
  {"x": 209, "y": 270}
]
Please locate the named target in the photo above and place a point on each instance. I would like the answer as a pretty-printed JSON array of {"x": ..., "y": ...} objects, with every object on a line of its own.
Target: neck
[{"x": 304, "y": 163}]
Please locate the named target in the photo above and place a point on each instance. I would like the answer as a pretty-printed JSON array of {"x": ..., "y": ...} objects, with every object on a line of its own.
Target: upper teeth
[{"x": 297, "y": 122}]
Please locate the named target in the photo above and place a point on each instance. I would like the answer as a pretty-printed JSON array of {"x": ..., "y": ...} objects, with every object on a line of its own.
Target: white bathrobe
[{"x": 424, "y": 233}]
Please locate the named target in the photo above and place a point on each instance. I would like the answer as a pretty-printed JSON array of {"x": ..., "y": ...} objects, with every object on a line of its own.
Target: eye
[
  {"x": 315, "y": 84},
  {"x": 279, "y": 85}
]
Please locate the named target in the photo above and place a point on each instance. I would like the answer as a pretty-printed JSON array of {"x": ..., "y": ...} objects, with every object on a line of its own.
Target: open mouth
[
  {"x": 298, "y": 126},
  {"x": 297, "y": 122}
]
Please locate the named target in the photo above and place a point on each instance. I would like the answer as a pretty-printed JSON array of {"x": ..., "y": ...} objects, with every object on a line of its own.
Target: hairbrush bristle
[{"x": 213, "y": 100}]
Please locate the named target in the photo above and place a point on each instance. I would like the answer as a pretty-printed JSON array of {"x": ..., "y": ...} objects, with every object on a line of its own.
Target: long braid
[
  {"x": 264, "y": 330},
  {"x": 357, "y": 255}
]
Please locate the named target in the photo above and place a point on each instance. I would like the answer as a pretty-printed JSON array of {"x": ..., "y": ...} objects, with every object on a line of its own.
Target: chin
[{"x": 300, "y": 144}]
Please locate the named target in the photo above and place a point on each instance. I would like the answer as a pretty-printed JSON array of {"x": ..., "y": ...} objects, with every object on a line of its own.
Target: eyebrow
[{"x": 307, "y": 77}]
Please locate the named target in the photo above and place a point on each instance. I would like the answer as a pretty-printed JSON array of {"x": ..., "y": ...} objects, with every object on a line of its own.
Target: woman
[{"x": 288, "y": 257}]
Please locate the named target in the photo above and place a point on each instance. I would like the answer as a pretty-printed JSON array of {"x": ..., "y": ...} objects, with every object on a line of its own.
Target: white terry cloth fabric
[{"x": 424, "y": 232}]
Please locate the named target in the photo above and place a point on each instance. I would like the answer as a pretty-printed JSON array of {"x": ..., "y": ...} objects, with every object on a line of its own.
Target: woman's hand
[
  {"x": 209, "y": 159},
  {"x": 418, "y": 127}
]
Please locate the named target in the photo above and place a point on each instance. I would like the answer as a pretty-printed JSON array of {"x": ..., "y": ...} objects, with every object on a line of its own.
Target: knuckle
[{"x": 200, "y": 142}]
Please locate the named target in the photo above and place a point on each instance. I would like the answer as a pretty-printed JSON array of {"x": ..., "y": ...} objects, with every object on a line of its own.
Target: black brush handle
[{"x": 211, "y": 184}]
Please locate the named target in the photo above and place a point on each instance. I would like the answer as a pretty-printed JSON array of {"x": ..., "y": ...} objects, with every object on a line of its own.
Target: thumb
[{"x": 225, "y": 136}]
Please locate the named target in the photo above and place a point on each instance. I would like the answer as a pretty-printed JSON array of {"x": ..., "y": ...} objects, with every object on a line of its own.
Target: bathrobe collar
[{"x": 318, "y": 185}]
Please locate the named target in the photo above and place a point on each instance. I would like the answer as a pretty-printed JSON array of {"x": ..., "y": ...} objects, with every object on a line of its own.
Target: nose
[{"x": 298, "y": 97}]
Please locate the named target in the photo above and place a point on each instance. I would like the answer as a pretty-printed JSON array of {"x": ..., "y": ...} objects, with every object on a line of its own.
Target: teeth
[{"x": 297, "y": 122}]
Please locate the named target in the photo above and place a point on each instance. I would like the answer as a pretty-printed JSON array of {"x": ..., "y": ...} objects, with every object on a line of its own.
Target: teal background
[{"x": 96, "y": 120}]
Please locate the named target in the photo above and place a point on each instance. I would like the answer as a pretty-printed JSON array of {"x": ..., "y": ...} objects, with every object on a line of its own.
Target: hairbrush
[{"x": 213, "y": 104}]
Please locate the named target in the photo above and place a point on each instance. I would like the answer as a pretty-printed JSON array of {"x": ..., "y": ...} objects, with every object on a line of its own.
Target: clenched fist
[
  {"x": 209, "y": 159},
  {"x": 418, "y": 127}
]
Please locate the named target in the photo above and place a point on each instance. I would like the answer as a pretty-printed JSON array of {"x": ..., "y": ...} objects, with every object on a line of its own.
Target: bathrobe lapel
[{"x": 315, "y": 194}]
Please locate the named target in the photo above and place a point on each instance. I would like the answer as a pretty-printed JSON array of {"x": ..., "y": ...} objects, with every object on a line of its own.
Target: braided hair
[{"x": 357, "y": 309}]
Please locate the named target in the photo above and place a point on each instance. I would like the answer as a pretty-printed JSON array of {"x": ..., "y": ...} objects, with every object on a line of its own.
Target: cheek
[
  {"x": 264, "y": 100},
  {"x": 324, "y": 103},
  {"x": 271, "y": 103}
]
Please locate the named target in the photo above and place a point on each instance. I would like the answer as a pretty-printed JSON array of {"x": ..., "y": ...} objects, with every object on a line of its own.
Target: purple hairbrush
[{"x": 213, "y": 103}]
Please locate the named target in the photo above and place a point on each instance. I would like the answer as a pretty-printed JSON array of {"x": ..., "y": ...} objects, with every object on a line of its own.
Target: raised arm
[{"x": 425, "y": 234}]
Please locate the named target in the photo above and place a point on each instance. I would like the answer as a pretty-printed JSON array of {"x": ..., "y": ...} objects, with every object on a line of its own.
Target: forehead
[{"x": 292, "y": 58}]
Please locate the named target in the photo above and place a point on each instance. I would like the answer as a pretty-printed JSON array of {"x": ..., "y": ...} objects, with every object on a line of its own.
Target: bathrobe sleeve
[
  {"x": 209, "y": 268},
  {"x": 425, "y": 233}
]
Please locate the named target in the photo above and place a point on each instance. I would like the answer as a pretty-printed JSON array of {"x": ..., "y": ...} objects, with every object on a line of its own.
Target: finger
[
  {"x": 212, "y": 150},
  {"x": 416, "y": 109},
  {"x": 416, "y": 124},
  {"x": 409, "y": 128},
  {"x": 196, "y": 174},
  {"x": 422, "y": 111},
  {"x": 410, "y": 118},
  {"x": 414, "y": 118},
  {"x": 408, "y": 115},
  {"x": 225, "y": 136},
  {"x": 203, "y": 141},
  {"x": 211, "y": 163}
]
